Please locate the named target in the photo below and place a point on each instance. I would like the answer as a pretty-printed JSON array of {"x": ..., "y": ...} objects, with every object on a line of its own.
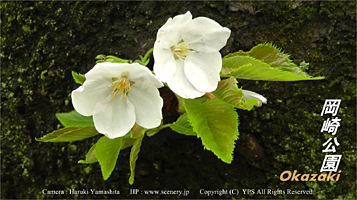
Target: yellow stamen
[
  {"x": 121, "y": 87},
  {"x": 181, "y": 50}
]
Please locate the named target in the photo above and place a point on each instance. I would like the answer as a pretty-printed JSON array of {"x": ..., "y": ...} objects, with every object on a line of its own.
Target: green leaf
[
  {"x": 134, "y": 154},
  {"x": 99, "y": 61},
  {"x": 274, "y": 57},
  {"x": 183, "y": 126},
  {"x": 90, "y": 157},
  {"x": 153, "y": 131},
  {"x": 229, "y": 92},
  {"x": 127, "y": 142},
  {"x": 245, "y": 64},
  {"x": 246, "y": 67},
  {"x": 101, "y": 57},
  {"x": 137, "y": 131},
  {"x": 181, "y": 104},
  {"x": 145, "y": 60},
  {"x": 216, "y": 123},
  {"x": 69, "y": 134},
  {"x": 107, "y": 152},
  {"x": 115, "y": 59},
  {"x": 74, "y": 119},
  {"x": 78, "y": 78},
  {"x": 248, "y": 104}
]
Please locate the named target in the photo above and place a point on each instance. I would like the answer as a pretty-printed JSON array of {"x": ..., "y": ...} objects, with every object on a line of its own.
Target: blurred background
[{"x": 42, "y": 42}]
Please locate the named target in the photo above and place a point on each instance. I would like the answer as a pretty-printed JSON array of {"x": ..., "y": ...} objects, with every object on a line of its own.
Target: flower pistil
[{"x": 181, "y": 50}]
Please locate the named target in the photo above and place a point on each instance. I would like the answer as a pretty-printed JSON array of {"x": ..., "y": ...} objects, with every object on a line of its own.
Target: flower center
[
  {"x": 121, "y": 87},
  {"x": 181, "y": 50}
]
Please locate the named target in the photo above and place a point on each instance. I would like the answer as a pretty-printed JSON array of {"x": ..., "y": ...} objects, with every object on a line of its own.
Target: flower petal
[
  {"x": 205, "y": 35},
  {"x": 89, "y": 94},
  {"x": 249, "y": 94},
  {"x": 167, "y": 36},
  {"x": 107, "y": 70},
  {"x": 134, "y": 72},
  {"x": 202, "y": 70},
  {"x": 181, "y": 85},
  {"x": 137, "y": 72},
  {"x": 169, "y": 33},
  {"x": 165, "y": 65},
  {"x": 114, "y": 118},
  {"x": 147, "y": 104}
]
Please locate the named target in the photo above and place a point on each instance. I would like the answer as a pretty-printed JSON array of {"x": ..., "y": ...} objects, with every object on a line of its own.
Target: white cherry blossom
[
  {"x": 249, "y": 94},
  {"x": 118, "y": 95},
  {"x": 186, "y": 53}
]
